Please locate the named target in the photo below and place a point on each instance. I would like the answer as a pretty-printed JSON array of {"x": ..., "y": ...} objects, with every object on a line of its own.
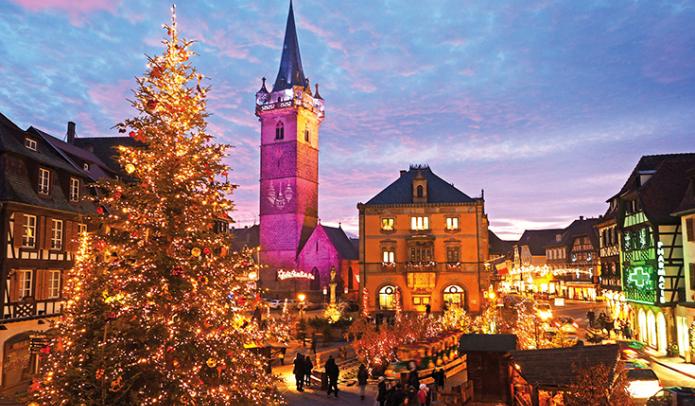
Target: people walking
[
  {"x": 413, "y": 376},
  {"x": 332, "y": 373},
  {"x": 381, "y": 391},
  {"x": 423, "y": 395},
  {"x": 314, "y": 343},
  {"x": 439, "y": 377},
  {"x": 362, "y": 376},
  {"x": 627, "y": 331},
  {"x": 308, "y": 367},
  {"x": 298, "y": 371},
  {"x": 591, "y": 316}
]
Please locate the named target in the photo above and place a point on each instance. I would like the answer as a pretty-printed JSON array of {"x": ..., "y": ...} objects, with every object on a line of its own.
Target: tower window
[
  {"x": 280, "y": 131},
  {"x": 306, "y": 135},
  {"x": 420, "y": 191}
]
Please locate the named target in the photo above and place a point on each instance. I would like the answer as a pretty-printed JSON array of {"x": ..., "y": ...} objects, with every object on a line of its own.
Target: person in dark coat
[
  {"x": 413, "y": 377},
  {"x": 332, "y": 372},
  {"x": 362, "y": 376},
  {"x": 396, "y": 397},
  {"x": 381, "y": 391},
  {"x": 438, "y": 376},
  {"x": 308, "y": 366},
  {"x": 298, "y": 371},
  {"x": 314, "y": 343},
  {"x": 591, "y": 316}
]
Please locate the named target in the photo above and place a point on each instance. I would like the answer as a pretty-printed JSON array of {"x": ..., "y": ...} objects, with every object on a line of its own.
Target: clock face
[{"x": 279, "y": 194}]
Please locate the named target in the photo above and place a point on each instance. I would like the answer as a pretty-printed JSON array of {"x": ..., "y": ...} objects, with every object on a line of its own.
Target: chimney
[
  {"x": 581, "y": 217},
  {"x": 403, "y": 172},
  {"x": 71, "y": 132}
]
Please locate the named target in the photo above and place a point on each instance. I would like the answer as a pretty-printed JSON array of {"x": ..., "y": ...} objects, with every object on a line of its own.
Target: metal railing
[{"x": 422, "y": 267}]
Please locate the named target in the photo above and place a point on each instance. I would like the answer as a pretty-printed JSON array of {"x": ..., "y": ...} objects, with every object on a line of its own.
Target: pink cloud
[
  {"x": 111, "y": 98},
  {"x": 76, "y": 9}
]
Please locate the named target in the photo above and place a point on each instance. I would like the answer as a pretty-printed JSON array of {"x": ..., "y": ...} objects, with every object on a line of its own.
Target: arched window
[
  {"x": 280, "y": 131},
  {"x": 454, "y": 295},
  {"x": 387, "y": 298},
  {"x": 420, "y": 191}
]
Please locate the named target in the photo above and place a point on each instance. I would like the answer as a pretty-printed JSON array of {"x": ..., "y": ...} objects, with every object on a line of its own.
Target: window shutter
[
  {"x": 18, "y": 231},
  {"x": 14, "y": 285},
  {"x": 40, "y": 288},
  {"x": 47, "y": 231},
  {"x": 690, "y": 229}
]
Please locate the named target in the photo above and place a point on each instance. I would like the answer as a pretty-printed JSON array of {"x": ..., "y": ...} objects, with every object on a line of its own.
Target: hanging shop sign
[
  {"x": 294, "y": 274},
  {"x": 660, "y": 271}
]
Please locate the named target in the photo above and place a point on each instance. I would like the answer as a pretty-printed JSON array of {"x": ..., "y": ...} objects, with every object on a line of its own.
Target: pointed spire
[
  {"x": 263, "y": 89},
  {"x": 291, "y": 72},
  {"x": 316, "y": 93}
]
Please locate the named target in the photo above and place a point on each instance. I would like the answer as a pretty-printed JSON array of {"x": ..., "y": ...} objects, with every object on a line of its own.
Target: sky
[{"x": 546, "y": 105}]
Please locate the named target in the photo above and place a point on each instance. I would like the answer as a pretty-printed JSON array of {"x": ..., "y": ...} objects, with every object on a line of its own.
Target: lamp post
[
  {"x": 301, "y": 297},
  {"x": 544, "y": 316}
]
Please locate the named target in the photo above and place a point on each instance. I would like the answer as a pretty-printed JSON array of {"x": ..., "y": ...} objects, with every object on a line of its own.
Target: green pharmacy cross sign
[
  {"x": 639, "y": 278},
  {"x": 640, "y": 284}
]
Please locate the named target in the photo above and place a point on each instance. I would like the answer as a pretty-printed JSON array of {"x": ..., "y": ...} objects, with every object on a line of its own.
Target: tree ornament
[
  {"x": 129, "y": 168},
  {"x": 117, "y": 384},
  {"x": 195, "y": 251},
  {"x": 207, "y": 251},
  {"x": 177, "y": 271},
  {"x": 151, "y": 104},
  {"x": 99, "y": 374},
  {"x": 156, "y": 72},
  {"x": 211, "y": 362},
  {"x": 131, "y": 134},
  {"x": 100, "y": 245},
  {"x": 46, "y": 350},
  {"x": 100, "y": 210}
]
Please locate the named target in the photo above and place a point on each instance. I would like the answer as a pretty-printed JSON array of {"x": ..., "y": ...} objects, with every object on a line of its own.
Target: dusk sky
[{"x": 545, "y": 105}]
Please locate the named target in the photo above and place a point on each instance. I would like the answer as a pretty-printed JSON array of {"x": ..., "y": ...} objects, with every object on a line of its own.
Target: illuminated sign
[
  {"x": 660, "y": 271},
  {"x": 294, "y": 274}
]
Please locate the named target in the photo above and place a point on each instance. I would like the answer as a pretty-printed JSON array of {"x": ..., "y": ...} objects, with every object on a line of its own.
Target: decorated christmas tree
[{"x": 158, "y": 311}]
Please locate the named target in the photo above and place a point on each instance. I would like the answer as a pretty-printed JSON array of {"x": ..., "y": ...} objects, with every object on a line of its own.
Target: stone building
[{"x": 422, "y": 242}]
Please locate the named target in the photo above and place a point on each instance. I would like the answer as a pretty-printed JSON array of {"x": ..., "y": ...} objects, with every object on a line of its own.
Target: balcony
[{"x": 403, "y": 267}]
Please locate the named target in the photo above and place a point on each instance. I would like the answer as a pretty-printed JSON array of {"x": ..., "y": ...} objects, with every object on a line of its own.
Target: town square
[{"x": 430, "y": 203}]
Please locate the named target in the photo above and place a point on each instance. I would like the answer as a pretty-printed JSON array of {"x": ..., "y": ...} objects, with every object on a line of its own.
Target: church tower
[{"x": 290, "y": 117}]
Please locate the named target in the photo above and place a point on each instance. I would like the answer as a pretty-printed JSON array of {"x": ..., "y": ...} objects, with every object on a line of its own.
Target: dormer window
[
  {"x": 74, "y": 189},
  {"x": 280, "y": 131},
  {"x": 420, "y": 191},
  {"x": 44, "y": 181},
  {"x": 85, "y": 166},
  {"x": 30, "y": 143}
]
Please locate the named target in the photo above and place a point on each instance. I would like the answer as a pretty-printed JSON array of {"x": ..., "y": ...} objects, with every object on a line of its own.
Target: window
[
  {"x": 85, "y": 166},
  {"x": 30, "y": 143},
  {"x": 690, "y": 229},
  {"x": 453, "y": 255},
  {"x": 74, "y": 189},
  {"x": 57, "y": 235},
  {"x": 29, "y": 237},
  {"x": 306, "y": 135},
  {"x": 421, "y": 253},
  {"x": 387, "y": 224},
  {"x": 421, "y": 300},
  {"x": 81, "y": 229},
  {"x": 454, "y": 295},
  {"x": 280, "y": 131},
  {"x": 420, "y": 191},
  {"x": 692, "y": 276},
  {"x": 389, "y": 255},
  {"x": 44, "y": 181},
  {"x": 419, "y": 223},
  {"x": 25, "y": 281},
  {"x": 452, "y": 223},
  {"x": 54, "y": 284},
  {"x": 387, "y": 298}
]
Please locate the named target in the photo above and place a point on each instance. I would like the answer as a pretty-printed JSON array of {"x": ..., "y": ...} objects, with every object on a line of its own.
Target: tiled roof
[
  {"x": 438, "y": 190},
  {"x": 105, "y": 149},
  {"x": 578, "y": 228},
  {"x": 687, "y": 205},
  {"x": 663, "y": 193},
  {"x": 76, "y": 155},
  {"x": 536, "y": 240},
  {"x": 650, "y": 163},
  {"x": 499, "y": 246},
  {"x": 487, "y": 343},
  {"x": 245, "y": 237},
  {"x": 557, "y": 367},
  {"x": 341, "y": 242}
]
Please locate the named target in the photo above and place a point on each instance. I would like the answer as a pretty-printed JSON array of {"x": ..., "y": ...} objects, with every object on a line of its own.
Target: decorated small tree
[
  {"x": 157, "y": 310},
  {"x": 599, "y": 385}
]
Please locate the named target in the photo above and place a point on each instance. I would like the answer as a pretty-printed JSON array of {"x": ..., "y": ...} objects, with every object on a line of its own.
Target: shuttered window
[
  {"x": 690, "y": 229},
  {"x": 25, "y": 283},
  {"x": 54, "y": 284},
  {"x": 29, "y": 234},
  {"x": 57, "y": 234}
]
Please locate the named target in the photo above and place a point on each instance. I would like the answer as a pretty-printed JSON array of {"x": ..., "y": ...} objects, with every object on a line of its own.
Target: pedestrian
[
  {"x": 362, "y": 376},
  {"x": 390, "y": 395},
  {"x": 411, "y": 395},
  {"x": 332, "y": 372},
  {"x": 283, "y": 350},
  {"x": 439, "y": 378},
  {"x": 413, "y": 376},
  {"x": 308, "y": 366},
  {"x": 428, "y": 309},
  {"x": 627, "y": 331},
  {"x": 298, "y": 371},
  {"x": 381, "y": 391},
  {"x": 314, "y": 343},
  {"x": 423, "y": 395},
  {"x": 591, "y": 316}
]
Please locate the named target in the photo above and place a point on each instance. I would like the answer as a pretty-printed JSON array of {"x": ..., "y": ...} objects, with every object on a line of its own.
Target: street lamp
[
  {"x": 301, "y": 297},
  {"x": 544, "y": 316}
]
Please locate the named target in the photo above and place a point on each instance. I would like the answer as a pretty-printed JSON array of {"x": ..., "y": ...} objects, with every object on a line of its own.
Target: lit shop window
[
  {"x": 387, "y": 224},
  {"x": 452, "y": 223},
  {"x": 419, "y": 223}
]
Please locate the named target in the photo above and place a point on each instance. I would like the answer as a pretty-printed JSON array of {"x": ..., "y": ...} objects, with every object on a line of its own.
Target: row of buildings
[
  {"x": 43, "y": 208},
  {"x": 639, "y": 256}
]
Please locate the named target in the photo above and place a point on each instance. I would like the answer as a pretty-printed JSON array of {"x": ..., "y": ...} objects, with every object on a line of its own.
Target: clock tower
[{"x": 290, "y": 116}]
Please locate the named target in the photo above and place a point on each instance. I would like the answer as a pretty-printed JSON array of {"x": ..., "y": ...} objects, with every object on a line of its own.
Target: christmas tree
[{"x": 157, "y": 310}]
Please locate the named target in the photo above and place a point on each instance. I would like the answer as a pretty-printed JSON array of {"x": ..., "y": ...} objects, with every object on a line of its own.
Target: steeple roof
[{"x": 291, "y": 72}]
